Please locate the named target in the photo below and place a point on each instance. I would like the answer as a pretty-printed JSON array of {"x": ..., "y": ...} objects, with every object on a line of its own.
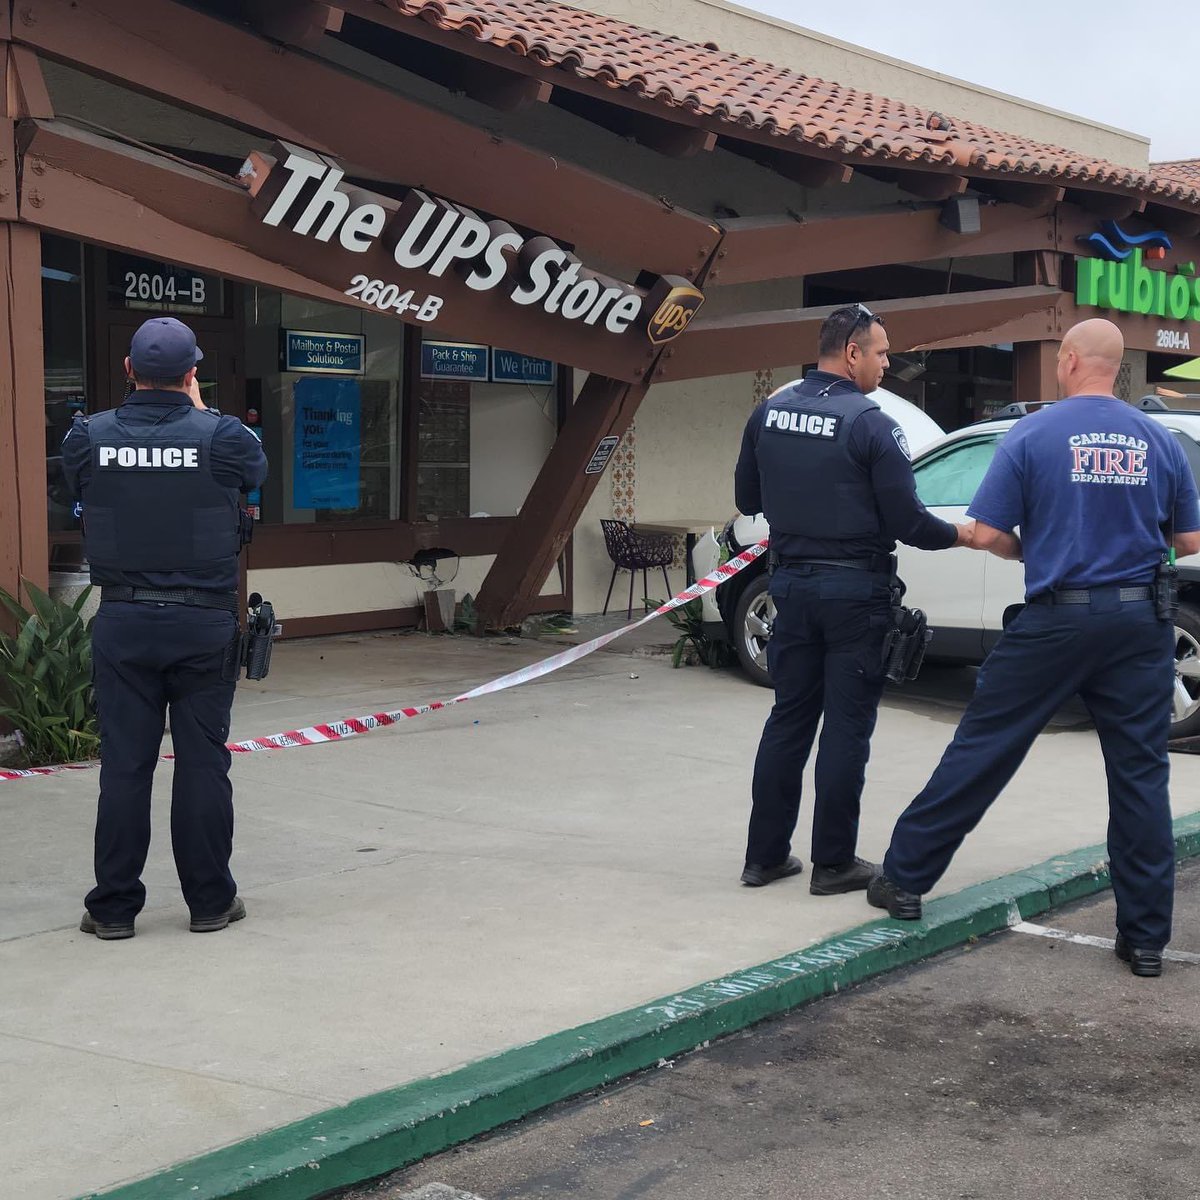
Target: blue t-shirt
[{"x": 1093, "y": 484}]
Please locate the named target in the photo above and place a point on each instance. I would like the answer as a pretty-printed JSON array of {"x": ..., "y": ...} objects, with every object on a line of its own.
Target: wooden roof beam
[
  {"x": 90, "y": 187},
  {"x": 293, "y": 22},
  {"x": 750, "y": 341},
  {"x": 506, "y": 92},
  {"x": 1110, "y": 206},
  {"x": 761, "y": 248},
  {"x": 1041, "y": 197},
  {"x": 1173, "y": 220},
  {"x": 794, "y": 166},
  {"x": 497, "y": 85},
  {"x": 675, "y": 139},
  {"x": 183, "y": 57},
  {"x": 929, "y": 185}
]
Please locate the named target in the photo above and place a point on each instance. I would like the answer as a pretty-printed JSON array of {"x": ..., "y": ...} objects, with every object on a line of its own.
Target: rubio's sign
[
  {"x": 447, "y": 247},
  {"x": 1119, "y": 278}
]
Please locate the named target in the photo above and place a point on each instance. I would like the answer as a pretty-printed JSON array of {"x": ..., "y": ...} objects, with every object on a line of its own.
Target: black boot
[
  {"x": 884, "y": 893},
  {"x": 1146, "y": 963},
  {"x": 835, "y": 880},
  {"x": 756, "y": 876}
]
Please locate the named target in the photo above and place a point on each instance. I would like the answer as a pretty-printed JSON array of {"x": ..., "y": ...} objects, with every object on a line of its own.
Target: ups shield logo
[{"x": 672, "y": 304}]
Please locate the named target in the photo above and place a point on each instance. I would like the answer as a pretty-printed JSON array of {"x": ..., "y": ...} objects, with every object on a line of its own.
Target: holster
[
  {"x": 235, "y": 657},
  {"x": 260, "y": 635},
  {"x": 1166, "y": 591},
  {"x": 905, "y": 643},
  {"x": 245, "y": 527}
]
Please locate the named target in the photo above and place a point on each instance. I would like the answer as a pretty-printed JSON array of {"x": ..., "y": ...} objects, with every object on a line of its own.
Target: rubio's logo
[
  {"x": 1120, "y": 279},
  {"x": 436, "y": 236},
  {"x": 1114, "y": 244}
]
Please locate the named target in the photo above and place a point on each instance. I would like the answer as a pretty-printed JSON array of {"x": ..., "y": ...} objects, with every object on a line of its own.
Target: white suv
[{"x": 966, "y": 594}]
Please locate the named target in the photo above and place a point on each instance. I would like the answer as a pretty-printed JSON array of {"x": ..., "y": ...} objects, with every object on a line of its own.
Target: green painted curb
[{"x": 391, "y": 1129}]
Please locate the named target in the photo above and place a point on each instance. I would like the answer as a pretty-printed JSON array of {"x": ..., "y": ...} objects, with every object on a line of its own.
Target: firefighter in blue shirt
[
  {"x": 1101, "y": 493},
  {"x": 831, "y": 473},
  {"x": 159, "y": 479}
]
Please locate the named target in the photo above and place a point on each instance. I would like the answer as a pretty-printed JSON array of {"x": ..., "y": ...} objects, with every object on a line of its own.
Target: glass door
[{"x": 216, "y": 372}]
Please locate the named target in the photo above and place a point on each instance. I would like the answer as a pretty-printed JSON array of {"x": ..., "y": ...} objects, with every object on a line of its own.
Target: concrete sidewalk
[{"x": 430, "y": 894}]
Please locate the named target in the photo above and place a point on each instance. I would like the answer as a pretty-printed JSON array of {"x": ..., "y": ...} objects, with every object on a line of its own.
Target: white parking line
[{"x": 1085, "y": 939}]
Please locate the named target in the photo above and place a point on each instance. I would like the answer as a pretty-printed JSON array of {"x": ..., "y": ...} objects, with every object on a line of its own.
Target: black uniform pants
[
  {"x": 1119, "y": 658},
  {"x": 148, "y": 658},
  {"x": 825, "y": 656}
]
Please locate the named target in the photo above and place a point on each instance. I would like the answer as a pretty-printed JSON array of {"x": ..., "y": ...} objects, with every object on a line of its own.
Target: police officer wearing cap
[
  {"x": 159, "y": 479},
  {"x": 1101, "y": 495},
  {"x": 831, "y": 473}
]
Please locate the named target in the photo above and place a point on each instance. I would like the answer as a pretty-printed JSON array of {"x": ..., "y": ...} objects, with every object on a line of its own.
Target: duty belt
[
  {"x": 194, "y": 597},
  {"x": 882, "y": 564},
  {"x": 1126, "y": 595}
]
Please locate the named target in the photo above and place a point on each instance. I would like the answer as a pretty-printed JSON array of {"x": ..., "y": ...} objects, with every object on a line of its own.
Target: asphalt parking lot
[{"x": 1021, "y": 1067}]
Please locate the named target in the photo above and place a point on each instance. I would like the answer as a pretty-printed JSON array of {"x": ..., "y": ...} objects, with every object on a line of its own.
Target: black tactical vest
[
  {"x": 811, "y": 486},
  {"x": 152, "y": 503}
]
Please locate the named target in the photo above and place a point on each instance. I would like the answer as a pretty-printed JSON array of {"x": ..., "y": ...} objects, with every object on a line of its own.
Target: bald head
[{"x": 1089, "y": 358}]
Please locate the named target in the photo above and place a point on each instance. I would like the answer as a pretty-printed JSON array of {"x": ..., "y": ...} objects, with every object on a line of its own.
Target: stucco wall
[
  {"x": 677, "y": 463},
  {"x": 298, "y": 592},
  {"x": 759, "y": 36}
]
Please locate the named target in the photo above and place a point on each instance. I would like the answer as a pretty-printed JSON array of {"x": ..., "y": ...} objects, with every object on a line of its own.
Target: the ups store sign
[{"x": 435, "y": 263}]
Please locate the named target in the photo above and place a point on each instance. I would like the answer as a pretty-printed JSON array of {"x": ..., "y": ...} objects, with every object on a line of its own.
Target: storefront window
[
  {"x": 63, "y": 349},
  {"x": 486, "y": 423},
  {"x": 324, "y": 384}
]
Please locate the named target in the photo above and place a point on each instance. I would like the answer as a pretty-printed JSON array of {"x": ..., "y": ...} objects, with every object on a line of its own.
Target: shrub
[
  {"x": 688, "y": 620},
  {"x": 46, "y": 678}
]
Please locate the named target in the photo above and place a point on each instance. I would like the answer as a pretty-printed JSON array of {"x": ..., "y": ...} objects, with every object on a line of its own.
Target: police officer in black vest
[
  {"x": 831, "y": 473},
  {"x": 159, "y": 479}
]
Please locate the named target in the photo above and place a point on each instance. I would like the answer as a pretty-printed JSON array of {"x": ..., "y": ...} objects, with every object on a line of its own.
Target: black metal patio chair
[{"x": 632, "y": 551}]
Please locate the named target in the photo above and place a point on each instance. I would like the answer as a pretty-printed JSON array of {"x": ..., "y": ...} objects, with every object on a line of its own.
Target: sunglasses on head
[{"x": 863, "y": 317}]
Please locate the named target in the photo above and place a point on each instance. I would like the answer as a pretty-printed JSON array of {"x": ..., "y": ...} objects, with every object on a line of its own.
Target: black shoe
[
  {"x": 852, "y": 876},
  {"x": 106, "y": 933},
  {"x": 756, "y": 876},
  {"x": 235, "y": 912},
  {"x": 1147, "y": 963},
  {"x": 883, "y": 893}
]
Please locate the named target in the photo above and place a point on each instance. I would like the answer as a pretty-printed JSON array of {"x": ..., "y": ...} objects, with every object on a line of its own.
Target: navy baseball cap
[{"x": 164, "y": 348}]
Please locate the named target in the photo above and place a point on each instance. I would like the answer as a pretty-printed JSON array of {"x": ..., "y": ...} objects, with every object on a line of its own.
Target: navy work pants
[
  {"x": 825, "y": 656},
  {"x": 1119, "y": 658},
  {"x": 148, "y": 658}
]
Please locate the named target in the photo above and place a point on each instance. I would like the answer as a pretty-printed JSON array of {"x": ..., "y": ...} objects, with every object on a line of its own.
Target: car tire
[
  {"x": 752, "y": 618},
  {"x": 1185, "y": 713}
]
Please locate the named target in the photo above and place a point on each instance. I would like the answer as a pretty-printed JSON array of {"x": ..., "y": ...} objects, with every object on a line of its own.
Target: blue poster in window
[{"x": 327, "y": 441}]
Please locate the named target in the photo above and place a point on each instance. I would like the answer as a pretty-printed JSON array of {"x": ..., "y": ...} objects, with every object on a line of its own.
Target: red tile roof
[
  {"x": 751, "y": 94},
  {"x": 1185, "y": 171}
]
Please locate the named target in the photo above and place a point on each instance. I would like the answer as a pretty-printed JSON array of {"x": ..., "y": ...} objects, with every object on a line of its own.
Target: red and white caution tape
[{"x": 348, "y": 727}]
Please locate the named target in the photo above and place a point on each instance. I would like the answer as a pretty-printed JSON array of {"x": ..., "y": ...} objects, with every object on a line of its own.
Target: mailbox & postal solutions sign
[
  {"x": 423, "y": 257},
  {"x": 321, "y": 353}
]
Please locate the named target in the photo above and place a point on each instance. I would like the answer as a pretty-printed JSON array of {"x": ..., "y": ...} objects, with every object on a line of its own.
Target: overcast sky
[{"x": 1132, "y": 65}]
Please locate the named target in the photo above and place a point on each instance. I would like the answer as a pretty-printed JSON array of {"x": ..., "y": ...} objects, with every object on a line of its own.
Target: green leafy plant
[
  {"x": 558, "y": 623},
  {"x": 46, "y": 678},
  {"x": 688, "y": 619},
  {"x": 467, "y": 615}
]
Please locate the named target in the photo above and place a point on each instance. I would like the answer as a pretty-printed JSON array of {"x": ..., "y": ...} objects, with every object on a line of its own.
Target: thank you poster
[{"x": 327, "y": 441}]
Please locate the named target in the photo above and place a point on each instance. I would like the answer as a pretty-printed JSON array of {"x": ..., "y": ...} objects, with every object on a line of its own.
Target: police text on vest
[
  {"x": 150, "y": 457},
  {"x": 809, "y": 424}
]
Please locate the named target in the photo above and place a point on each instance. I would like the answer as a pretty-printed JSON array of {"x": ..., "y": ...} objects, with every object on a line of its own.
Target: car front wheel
[
  {"x": 1185, "y": 713},
  {"x": 753, "y": 617}
]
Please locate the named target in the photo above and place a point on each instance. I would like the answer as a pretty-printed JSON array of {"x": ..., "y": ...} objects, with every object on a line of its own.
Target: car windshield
[
  {"x": 950, "y": 476},
  {"x": 1192, "y": 450}
]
